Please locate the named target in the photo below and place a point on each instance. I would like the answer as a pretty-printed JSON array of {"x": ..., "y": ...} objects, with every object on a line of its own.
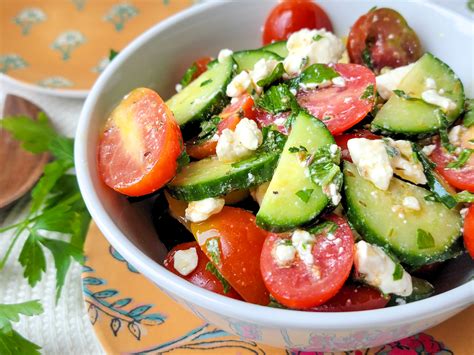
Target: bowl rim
[{"x": 452, "y": 300}]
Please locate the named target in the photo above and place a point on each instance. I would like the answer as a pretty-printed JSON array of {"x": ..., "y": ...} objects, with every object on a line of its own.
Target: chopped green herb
[
  {"x": 212, "y": 247},
  {"x": 287, "y": 242},
  {"x": 461, "y": 160},
  {"x": 208, "y": 128},
  {"x": 112, "y": 54},
  {"x": 391, "y": 151},
  {"x": 464, "y": 196},
  {"x": 443, "y": 131},
  {"x": 277, "y": 99},
  {"x": 317, "y": 37},
  {"x": 183, "y": 160},
  {"x": 276, "y": 74},
  {"x": 273, "y": 140},
  {"x": 367, "y": 58},
  {"x": 324, "y": 168},
  {"x": 204, "y": 83},
  {"x": 314, "y": 75},
  {"x": 304, "y": 195},
  {"x": 404, "y": 95},
  {"x": 373, "y": 8},
  {"x": 297, "y": 149},
  {"x": 188, "y": 75},
  {"x": 424, "y": 240},
  {"x": 327, "y": 227},
  {"x": 368, "y": 93},
  {"x": 326, "y": 118},
  {"x": 213, "y": 270},
  {"x": 398, "y": 272}
]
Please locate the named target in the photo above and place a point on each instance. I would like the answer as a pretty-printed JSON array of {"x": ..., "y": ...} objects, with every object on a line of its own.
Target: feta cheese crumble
[
  {"x": 376, "y": 268},
  {"x": 455, "y": 134},
  {"x": 284, "y": 254},
  {"x": 371, "y": 160},
  {"x": 303, "y": 243},
  {"x": 307, "y": 47},
  {"x": 224, "y": 54},
  {"x": 411, "y": 203},
  {"x": 239, "y": 84},
  {"x": 233, "y": 145},
  {"x": 429, "y": 149},
  {"x": 185, "y": 261},
  {"x": 404, "y": 163},
  {"x": 198, "y": 211},
  {"x": 339, "y": 81},
  {"x": 390, "y": 80},
  {"x": 431, "y": 96},
  {"x": 178, "y": 87}
]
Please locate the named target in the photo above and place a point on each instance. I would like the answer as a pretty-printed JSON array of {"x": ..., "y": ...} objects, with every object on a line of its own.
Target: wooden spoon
[{"x": 19, "y": 169}]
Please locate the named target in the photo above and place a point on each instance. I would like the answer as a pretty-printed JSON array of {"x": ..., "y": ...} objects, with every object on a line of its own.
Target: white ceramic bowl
[{"x": 157, "y": 59}]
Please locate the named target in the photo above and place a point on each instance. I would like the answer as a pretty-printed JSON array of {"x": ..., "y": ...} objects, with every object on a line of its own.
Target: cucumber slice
[
  {"x": 282, "y": 209},
  {"x": 277, "y": 48},
  {"x": 211, "y": 177},
  {"x": 416, "y": 117},
  {"x": 246, "y": 59},
  {"x": 371, "y": 212},
  {"x": 205, "y": 96}
]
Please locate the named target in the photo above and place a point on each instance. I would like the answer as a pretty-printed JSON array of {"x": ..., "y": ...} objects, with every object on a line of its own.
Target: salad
[{"x": 316, "y": 173}]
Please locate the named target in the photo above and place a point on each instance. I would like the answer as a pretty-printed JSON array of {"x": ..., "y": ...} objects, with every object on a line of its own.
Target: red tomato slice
[
  {"x": 469, "y": 231},
  {"x": 291, "y": 16},
  {"x": 352, "y": 298},
  {"x": 382, "y": 38},
  {"x": 460, "y": 178},
  {"x": 232, "y": 241},
  {"x": 140, "y": 144},
  {"x": 201, "y": 65},
  {"x": 200, "y": 276},
  {"x": 340, "y": 108},
  {"x": 231, "y": 115},
  {"x": 299, "y": 286},
  {"x": 342, "y": 140}
]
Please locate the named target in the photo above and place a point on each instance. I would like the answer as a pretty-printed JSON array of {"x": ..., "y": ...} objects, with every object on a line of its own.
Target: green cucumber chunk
[
  {"x": 212, "y": 178},
  {"x": 246, "y": 59},
  {"x": 277, "y": 48},
  {"x": 203, "y": 97},
  {"x": 421, "y": 289},
  {"x": 293, "y": 199},
  {"x": 415, "y": 237},
  {"x": 414, "y": 116}
]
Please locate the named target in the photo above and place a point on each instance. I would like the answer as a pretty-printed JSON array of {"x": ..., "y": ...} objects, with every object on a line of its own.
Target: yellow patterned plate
[
  {"x": 131, "y": 315},
  {"x": 64, "y": 44}
]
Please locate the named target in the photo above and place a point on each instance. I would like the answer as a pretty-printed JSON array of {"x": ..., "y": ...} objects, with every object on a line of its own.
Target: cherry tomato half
[
  {"x": 232, "y": 241},
  {"x": 231, "y": 115},
  {"x": 301, "y": 286},
  {"x": 352, "y": 298},
  {"x": 462, "y": 178},
  {"x": 340, "y": 108},
  {"x": 291, "y": 16},
  {"x": 201, "y": 65},
  {"x": 382, "y": 38},
  {"x": 342, "y": 140},
  {"x": 141, "y": 141},
  {"x": 469, "y": 231},
  {"x": 201, "y": 276}
]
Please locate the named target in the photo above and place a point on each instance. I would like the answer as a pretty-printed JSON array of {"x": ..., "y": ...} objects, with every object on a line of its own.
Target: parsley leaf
[
  {"x": 443, "y": 131},
  {"x": 304, "y": 195},
  {"x": 205, "y": 82},
  {"x": 464, "y": 196},
  {"x": 212, "y": 269},
  {"x": 208, "y": 128},
  {"x": 11, "y": 342},
  {"x": 188, "y": 75},
  {"x": 324, "y": 167},
  {"x": 275, "y": 75},
  {"x": 398, "y": 272},
  {"x": 404, "y": 95},
  {"x": 468, "y": 119},
  {"x": 297, "y": 149},
  {"x": 277, "y": 99},
  {"x": 327, "y": 227},
  {"x": 369, "y": 93},
  {"x": 314, "y": 75},
  {"x": 461, "y": 160},
  {"x": 367, "y": 58},
  {"x": 273, "y": 140},
  {"x": 424, "y": 240},
  {"x": 56, "y": 204},
  {"x": 212, "y": 247},
  {"x": 318, "y": 37}
]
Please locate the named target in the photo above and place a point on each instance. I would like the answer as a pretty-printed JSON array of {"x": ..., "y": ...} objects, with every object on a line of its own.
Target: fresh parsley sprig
[
  {"x": 11, "y": 342},
  {"x": 56, "y": 204}
]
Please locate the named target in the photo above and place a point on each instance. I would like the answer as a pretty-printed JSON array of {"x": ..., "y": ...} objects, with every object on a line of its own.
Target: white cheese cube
[
  {"x": 185, "y": 261},
  {"x": 198, "y": 211}
]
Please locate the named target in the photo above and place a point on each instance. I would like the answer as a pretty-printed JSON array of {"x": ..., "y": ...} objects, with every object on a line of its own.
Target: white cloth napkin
[{"x": 63, "y": 328}]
